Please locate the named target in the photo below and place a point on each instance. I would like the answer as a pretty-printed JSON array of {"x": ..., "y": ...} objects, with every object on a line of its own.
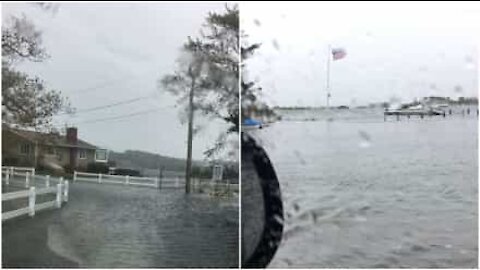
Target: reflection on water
[
  {"x": 409, "y": 199},
  {"x": 117, "y": 226}
]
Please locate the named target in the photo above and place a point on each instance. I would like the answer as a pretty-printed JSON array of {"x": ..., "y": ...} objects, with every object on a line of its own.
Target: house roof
[{"x": 49, "y": 138}]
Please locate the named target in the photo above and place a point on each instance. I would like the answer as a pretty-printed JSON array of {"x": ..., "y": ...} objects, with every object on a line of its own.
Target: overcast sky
[
  {"x": 107, "y": 53},
  {"x": 394, "y": 51}
]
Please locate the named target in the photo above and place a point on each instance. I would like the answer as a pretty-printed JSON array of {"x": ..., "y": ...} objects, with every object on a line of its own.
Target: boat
[
  {"x": 416, "y": 110},
  {"x": 251, "y": 124}
]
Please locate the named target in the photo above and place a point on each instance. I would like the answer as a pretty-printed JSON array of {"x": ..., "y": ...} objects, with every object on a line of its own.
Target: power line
[
  {"x": 98, "y": 86},
  {"x": 110, "y": 105},
  {"x": 119, "y": 117}
]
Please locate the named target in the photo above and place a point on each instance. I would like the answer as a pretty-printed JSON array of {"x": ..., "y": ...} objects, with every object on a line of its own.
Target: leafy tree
[
  {"x": 26, "y": 102},
  {"x": 208, "y": 73},
  {"x": 251, "y": 93}
]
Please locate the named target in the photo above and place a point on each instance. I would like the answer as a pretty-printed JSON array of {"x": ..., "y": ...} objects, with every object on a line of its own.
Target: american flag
[{"x": 338, "y": 53}]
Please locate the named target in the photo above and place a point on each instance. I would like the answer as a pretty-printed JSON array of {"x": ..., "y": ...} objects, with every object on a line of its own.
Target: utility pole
[{"x": 190, "y": 134}]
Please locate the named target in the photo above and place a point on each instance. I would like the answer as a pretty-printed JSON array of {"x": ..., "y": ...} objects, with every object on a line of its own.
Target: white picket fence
[
  {"x": 12, "y": 170},
  {"x": 209, "y": 185},
  {"x": 155, "y": 182},
  {"x": 27, "y": 179},
  {"x": 61, "y": 191},
  {"x": 116, "y": 179}
]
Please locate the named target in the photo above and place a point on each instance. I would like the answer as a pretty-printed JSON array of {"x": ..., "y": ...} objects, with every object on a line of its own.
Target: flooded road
[
  {"x": 111, "y": 226},
  {"x": 363, "y": 193}
]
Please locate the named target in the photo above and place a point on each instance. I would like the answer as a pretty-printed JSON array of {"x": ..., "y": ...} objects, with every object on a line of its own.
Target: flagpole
[{"x": 329, "y": 55}]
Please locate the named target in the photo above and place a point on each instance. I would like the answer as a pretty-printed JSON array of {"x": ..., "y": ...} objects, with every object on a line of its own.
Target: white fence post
[
  {"x": 12, "y": 171},
  {"x": 7, "y": 177},
  {"x": 157, "y": 182},
  {"x": 127, "y": 178},
  {"x": 47, "y": 184},
  {"x": 33, "y": 171},
  {"x": 59, "y": 195},
  {"x": 31, "y": 202},
  {"x": 74, "y": 176},
  {"x": 27, "y": 179},
  {"x": 100, "y": 178},
  {"x": 65, "y": 191}
]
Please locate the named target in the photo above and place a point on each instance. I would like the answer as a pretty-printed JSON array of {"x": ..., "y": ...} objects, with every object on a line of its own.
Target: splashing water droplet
[{"x": 257, "y": 22}]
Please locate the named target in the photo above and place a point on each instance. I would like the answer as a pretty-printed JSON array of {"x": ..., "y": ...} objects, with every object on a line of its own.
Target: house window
[
  {"x": 25, "y": 149},
  {"x": 101, "y": 155},
  {"x": 82, "y": 154}
]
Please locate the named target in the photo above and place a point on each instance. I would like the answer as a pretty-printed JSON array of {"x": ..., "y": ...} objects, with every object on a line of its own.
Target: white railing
[
  {"x": 116, "y": 179},
  {"x": 205, "y": 185},
  {"x": 13, "y": 169},
  {"x": 61, "y": 191},
  {"x": 28, "y": 179},
  {"x": 172, "y": 182}
]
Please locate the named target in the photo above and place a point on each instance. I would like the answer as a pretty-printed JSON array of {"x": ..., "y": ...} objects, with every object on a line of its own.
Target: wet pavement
[{"x": 111, "y": 226}]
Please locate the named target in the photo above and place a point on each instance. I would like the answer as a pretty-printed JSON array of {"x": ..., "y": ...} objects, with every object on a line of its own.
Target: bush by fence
[{"x": 97, "y": 168}]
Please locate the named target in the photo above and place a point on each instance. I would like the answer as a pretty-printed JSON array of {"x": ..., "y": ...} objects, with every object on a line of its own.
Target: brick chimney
[{"x": 72, "y": 135}]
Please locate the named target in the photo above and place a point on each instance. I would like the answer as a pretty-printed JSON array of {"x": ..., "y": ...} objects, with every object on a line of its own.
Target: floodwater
[
  {"x": 112, "y": 226},
  {"x": 363, "y": 193}
]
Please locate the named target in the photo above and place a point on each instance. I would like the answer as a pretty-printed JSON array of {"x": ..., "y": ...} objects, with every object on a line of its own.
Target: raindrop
[
  {"x": 275, "y": 44},
  {"x": 458, "y": 89},
  {"x": 288, "y": 262},
  {"x": 395, "y": 102},
  {"x": 296, "y": 207},
  {"x": 278, "y": 219},
  {"x": 299, "y": 157},
  {"x": 368, "y": 37},
  {"x": 257, "y": 22},
  {"x": 365, "y": 139},
  {"x": 423, "y": 68},
  {"x": 353, "y": 102},
  {"x": 469, "y": 63}
]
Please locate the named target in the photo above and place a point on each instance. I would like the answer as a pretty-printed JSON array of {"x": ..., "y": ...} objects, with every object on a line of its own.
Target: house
[{"x": 48, "y": 150}]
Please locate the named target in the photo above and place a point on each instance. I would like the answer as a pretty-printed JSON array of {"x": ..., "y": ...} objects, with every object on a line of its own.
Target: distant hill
[{"x": 134, "y": 159}]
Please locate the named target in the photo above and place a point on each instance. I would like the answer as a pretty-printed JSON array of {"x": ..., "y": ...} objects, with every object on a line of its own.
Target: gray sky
[
  {"x": 107, "y": 53},
  {"x": 394, "y": 50}
]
